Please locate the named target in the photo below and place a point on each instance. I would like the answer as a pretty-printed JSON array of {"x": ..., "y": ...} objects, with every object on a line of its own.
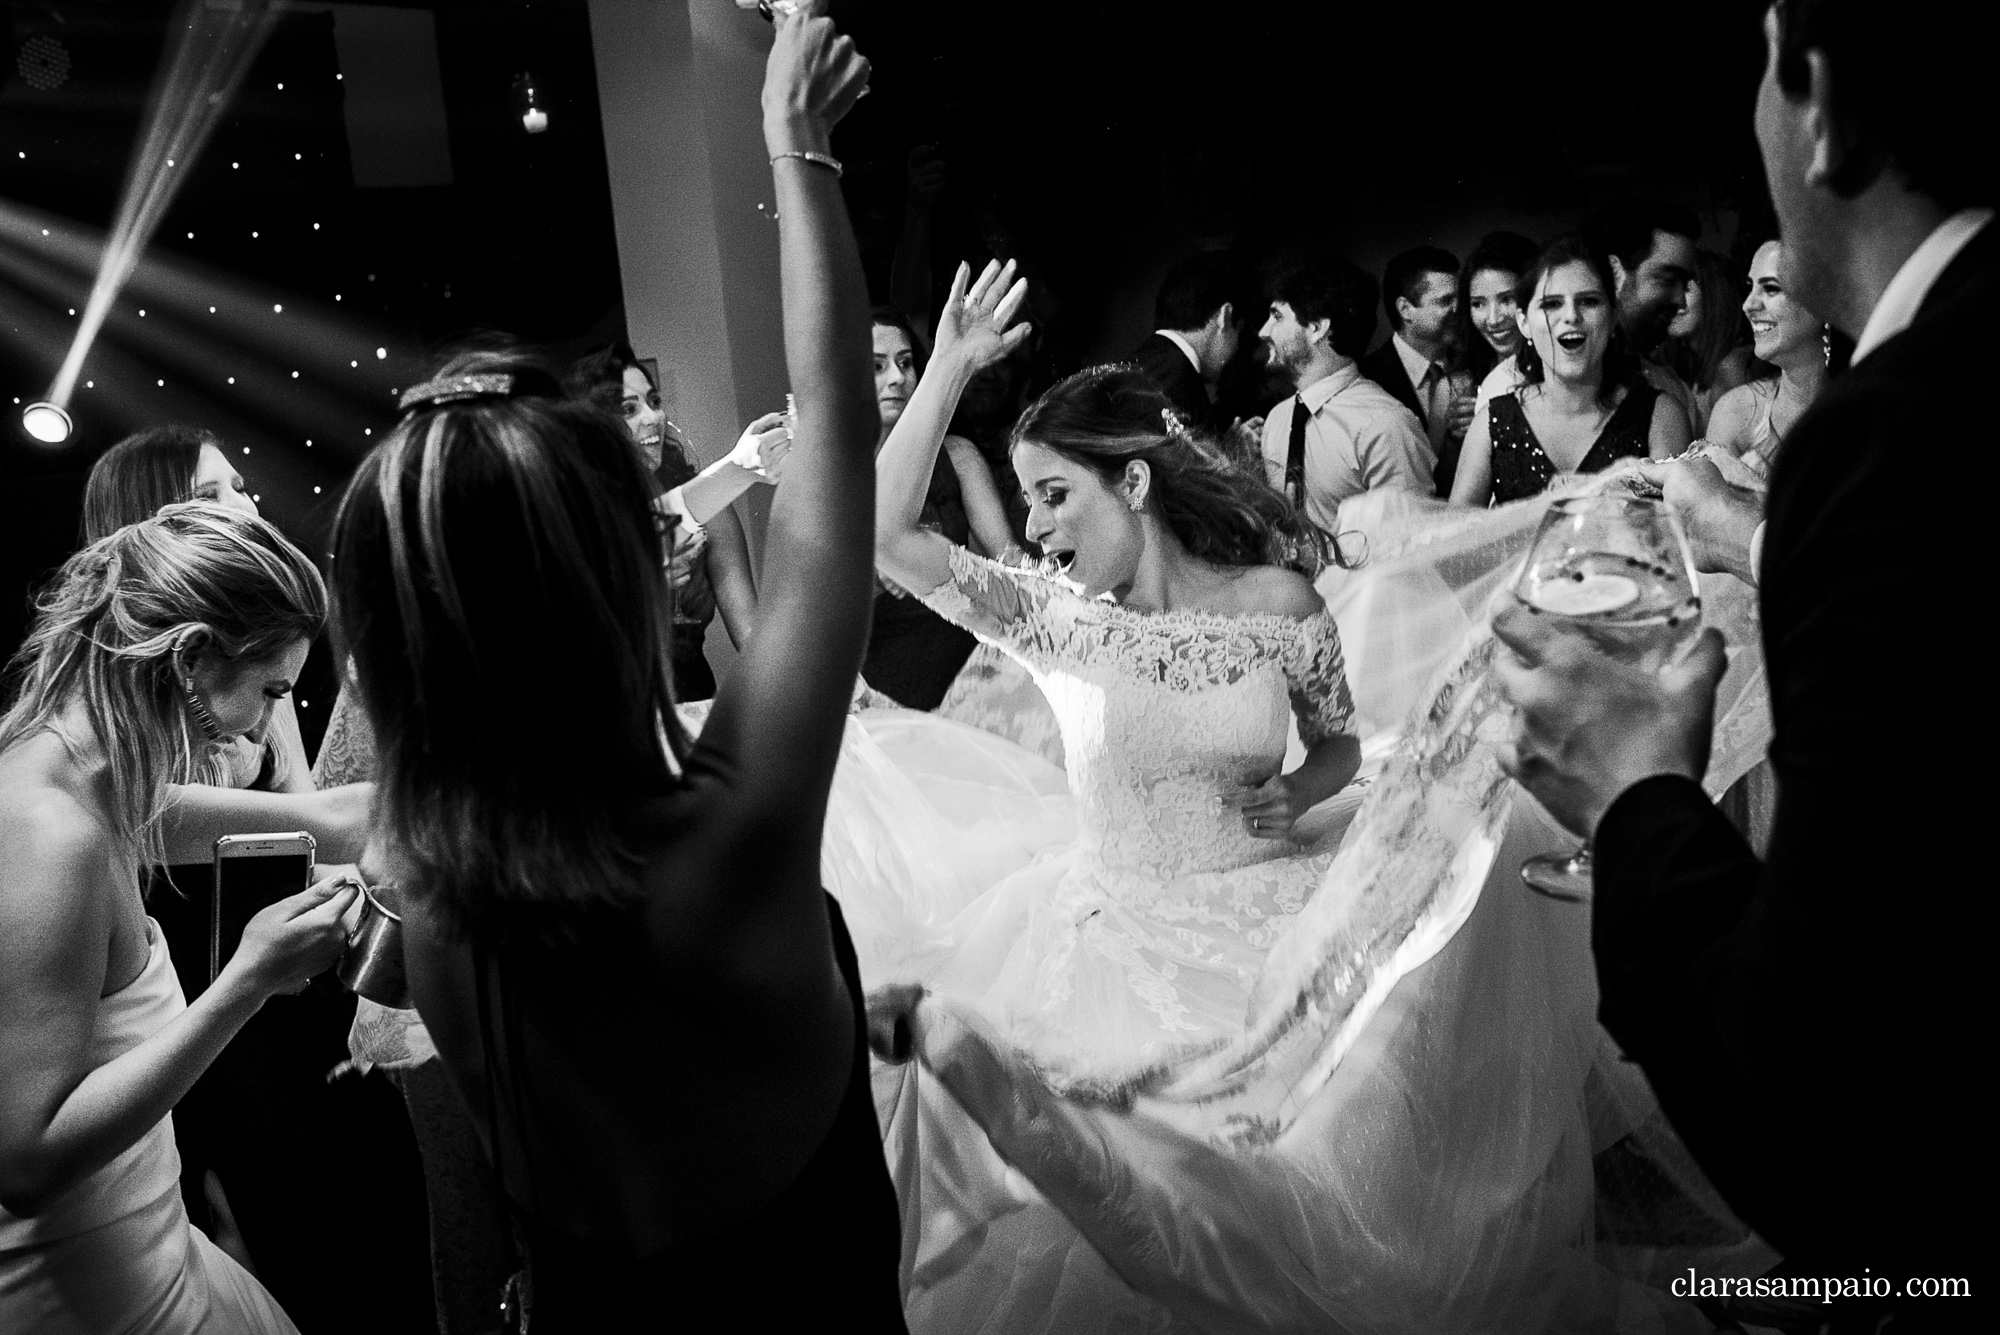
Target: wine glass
[{"x": 1615, "y": 569}]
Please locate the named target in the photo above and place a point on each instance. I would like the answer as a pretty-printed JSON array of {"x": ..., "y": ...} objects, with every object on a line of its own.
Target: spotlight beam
[{"x": 210, "y": 52}]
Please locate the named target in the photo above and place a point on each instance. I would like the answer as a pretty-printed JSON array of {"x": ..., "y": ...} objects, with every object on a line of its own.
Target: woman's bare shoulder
[
  {"x": 1277, "y": 591},
  {"x": 54, "y": 854}
]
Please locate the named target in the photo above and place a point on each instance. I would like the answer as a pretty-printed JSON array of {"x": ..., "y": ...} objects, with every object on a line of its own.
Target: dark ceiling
[{"x": 1092, "y": 138}]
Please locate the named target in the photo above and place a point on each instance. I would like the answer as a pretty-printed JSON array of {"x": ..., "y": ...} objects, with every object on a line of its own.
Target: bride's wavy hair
[
  {"x": 108, "y": 631},
  {"x": 1105, "y": 417},
  {"x": 498, "y": 594}
]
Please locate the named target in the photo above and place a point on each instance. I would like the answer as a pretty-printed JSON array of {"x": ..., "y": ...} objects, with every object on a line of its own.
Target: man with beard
[
  {"x": 1341, "y": 434},
  {"x": 1811, "y": 1020},
  {"x": 1651, "y": 245}
]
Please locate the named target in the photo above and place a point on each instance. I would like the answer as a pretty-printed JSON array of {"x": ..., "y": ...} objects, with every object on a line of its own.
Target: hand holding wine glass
[{"x": 1611, "y": 675}]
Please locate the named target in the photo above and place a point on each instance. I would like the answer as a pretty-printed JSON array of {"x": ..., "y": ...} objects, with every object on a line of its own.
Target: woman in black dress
[
  {"x": 1583, "y": 404},
  {"x": 913, "y": 653},
  {"x": 617, "y": 940}
]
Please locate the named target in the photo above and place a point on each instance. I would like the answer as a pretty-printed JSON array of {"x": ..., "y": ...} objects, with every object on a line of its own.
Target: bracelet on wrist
[{"x": 826, "y": 160}]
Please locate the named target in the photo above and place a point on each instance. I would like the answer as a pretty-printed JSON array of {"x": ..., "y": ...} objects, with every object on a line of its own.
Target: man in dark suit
[
  {"x": 1420, "y": 297},
  {"x": 1813, "y": 1023},
  {"x": 1198, "y": 316}
]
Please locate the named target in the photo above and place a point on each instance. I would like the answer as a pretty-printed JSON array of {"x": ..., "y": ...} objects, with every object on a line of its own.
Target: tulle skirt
[{"x": 1401, "y": 1115}]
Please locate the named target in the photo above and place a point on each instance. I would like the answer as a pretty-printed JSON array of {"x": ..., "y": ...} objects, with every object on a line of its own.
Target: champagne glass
[{"x": 1614, "y": 569}]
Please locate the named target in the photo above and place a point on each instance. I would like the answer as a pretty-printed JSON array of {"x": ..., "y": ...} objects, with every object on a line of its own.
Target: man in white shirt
[
  {"x": 1341, "y": 434},
  {"x": 1419, "y": 362}
]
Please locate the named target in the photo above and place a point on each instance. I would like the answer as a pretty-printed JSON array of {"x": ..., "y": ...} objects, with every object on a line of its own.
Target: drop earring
[
  {"x": 199, "y": 711},
  {"x": 1826, "y": 344},
  {"x": 1135, "y": 502}
]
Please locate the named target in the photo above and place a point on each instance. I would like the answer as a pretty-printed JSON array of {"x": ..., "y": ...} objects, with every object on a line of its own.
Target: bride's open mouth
[
  {"x": 1571, "y": 342},
  {"x": 1062, "y": 558}
]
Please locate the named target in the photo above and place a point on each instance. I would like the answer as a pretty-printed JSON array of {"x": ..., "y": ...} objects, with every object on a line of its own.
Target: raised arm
[
  {"x": 973, "y": 333},
  {"x": 777, "y": 720},
  {"x": 985, "y": 513}
]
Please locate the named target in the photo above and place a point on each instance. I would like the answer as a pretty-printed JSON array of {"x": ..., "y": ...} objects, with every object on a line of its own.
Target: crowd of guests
[{"x": 496, "y": 558}]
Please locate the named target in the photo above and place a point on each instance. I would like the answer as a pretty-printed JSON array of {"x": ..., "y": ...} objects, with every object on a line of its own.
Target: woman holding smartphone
[{"x": 156, "y": 648}]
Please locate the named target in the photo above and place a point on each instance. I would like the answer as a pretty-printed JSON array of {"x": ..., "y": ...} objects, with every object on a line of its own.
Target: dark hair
[
  {"x": 895, "y": 317},
  {"x": 1502, "y": 252},
  {"x": 1697, "y": 358},
  {"x": 134, "y": 478},
  {"x": 1196, "y": 288},
  {"x": 1900, "y": 74},
  {"x": 1403, "y": 277},
  {"x": 1625, "y": 229},
  {"x": 1331, "y": 288},
  {"x": 600, "y": 375},
  {"x": 1574, "y": 248},
  {"x": 496, "y": 557},
  {"x": 1105, "y": 417}
]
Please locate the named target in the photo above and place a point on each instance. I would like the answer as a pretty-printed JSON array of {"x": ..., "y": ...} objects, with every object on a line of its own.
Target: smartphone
[{"x": 252, "y": 871}]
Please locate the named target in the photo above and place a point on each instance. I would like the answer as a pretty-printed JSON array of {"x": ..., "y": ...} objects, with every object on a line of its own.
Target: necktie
[
  {"x": 1437, "y": 404},
  {"x": 1295, "y": 454}
]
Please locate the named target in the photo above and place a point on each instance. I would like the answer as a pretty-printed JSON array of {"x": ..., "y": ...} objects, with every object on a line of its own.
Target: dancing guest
[
  {"x": 1730, "y": 979},
  {"x": 1580, "y": 408},
  {"x": 1419, "y": 363},
  {"x": 710, "y": 568},
  {"x": 1198, "y": 319},
  {"x": 1751, "y": 420},
  {"x": 1651, "y": 246},
  {"x": 1340, "y": 434},
  {"x": 156, "y": 646},
  {"x": 580, "y": 882},
  {"x": 913, "y": 653},
  {"x": 238, "y": 1129},
  {"x": 1707, "y": 345}
]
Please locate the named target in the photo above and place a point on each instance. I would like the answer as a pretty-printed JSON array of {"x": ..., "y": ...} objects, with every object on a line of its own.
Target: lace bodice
[{"x": 1159, "y": 711}]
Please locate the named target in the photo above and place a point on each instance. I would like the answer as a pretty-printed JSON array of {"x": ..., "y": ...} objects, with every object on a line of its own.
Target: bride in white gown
[{"x": 1182, "y": 1060}]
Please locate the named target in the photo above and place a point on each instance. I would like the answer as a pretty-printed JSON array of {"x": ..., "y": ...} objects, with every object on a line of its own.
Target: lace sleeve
[
  {"x": 997, "y": 602},
  {"x": 1318, "y": 680}
]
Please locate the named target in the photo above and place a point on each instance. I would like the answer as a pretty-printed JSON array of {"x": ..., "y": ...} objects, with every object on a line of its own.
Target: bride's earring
[{"x": 1135, "y": 502}]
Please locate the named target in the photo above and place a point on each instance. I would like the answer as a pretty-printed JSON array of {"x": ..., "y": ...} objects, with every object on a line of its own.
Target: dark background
[{"x": 1095, "y": 140}]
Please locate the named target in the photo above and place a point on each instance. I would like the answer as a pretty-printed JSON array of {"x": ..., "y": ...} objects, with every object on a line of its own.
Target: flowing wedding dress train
[{"x": 1164, "y": 1085}]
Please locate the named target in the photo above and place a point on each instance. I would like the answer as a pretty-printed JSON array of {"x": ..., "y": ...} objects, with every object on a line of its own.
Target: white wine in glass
[{"x": 1614, "y": 569}]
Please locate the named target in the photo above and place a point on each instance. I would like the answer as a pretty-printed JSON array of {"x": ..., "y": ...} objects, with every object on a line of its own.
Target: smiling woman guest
[
  {"x": 1578, "y": 409},
  {"x": 1489, "y": 334},
  {"x": 1751, "y": 420}
]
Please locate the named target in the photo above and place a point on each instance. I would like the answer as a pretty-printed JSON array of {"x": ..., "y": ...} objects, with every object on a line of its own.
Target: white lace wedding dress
[{"x": 1171, "y": 1077}]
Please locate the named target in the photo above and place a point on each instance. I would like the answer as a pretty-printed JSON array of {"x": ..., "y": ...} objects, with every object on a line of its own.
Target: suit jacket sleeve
[{"x": 1758, "y": 997}]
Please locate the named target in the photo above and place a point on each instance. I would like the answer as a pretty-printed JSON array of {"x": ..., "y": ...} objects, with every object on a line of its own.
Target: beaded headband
[{"x": 455, "y": 389}]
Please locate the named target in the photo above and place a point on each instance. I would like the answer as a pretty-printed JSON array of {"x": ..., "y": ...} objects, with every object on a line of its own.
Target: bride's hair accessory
[
  {"x": 1175, "y": 424},
  {"x": 456, "y": 388},
  {"x": 199, "y": 711}
]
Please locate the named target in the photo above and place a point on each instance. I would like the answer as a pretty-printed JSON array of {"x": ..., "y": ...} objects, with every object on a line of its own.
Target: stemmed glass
[{"x": 1615, "y": 569}]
